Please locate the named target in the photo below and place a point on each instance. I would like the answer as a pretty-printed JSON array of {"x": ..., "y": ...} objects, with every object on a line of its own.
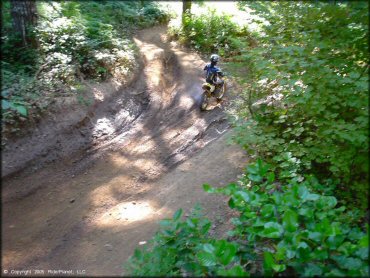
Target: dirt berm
[{"x": 99, "y": 188}]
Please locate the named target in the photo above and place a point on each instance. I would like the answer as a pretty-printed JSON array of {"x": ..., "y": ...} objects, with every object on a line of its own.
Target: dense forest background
[{"x": 302, "y": 114}]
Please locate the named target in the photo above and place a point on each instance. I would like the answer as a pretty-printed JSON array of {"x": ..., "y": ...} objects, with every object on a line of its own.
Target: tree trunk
[
  {"x": 186, "y": 7},
  {"x": 24, "y": 15}
]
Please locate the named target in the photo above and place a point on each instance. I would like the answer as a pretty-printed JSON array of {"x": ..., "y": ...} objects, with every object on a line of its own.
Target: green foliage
[
  {"x": 76, "y": 40},
  {"x": 210, "y": 33},
  {"x": 295, "y": 226},
  {"x": 183, "y": 247},
  {"x": 291, "y": 227},
  {"x": 312, "y": 58},
  {"x": 20, "y": 96}
]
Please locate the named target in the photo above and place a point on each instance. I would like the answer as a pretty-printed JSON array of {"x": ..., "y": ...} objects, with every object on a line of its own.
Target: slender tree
[
  {"x": 186, "y": 7},
  {"x": 24, "y": 16}
]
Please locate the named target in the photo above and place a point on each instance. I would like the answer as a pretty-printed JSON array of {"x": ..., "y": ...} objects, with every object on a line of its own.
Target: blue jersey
[{"x": 211, "y": 73}]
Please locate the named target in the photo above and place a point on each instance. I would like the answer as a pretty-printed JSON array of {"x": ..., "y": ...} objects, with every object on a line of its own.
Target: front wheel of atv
[
  {"x": 204, "y": 102},
  {"x": 221, "y": 93}
]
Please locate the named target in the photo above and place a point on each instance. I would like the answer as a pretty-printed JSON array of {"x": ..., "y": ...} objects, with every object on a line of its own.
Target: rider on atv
[
  {"x": 213, "y": 72},
  {"x": 215, "y": 85}
]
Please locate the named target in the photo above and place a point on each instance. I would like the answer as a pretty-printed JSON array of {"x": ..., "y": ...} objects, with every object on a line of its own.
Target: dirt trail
[{"x": 90, "y": 210}]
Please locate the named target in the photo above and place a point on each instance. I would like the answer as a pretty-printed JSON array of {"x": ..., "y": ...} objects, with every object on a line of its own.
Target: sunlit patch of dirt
[{"x": 126, "y": 213}]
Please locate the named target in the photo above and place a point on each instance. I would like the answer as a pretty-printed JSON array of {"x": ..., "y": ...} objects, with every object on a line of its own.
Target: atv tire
[
  {"x": 221, "y": 93},
  {"x": 204, "y": 102}
]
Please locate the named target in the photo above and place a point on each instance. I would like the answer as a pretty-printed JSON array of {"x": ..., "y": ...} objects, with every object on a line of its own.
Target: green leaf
[
  {"x": 271, "y": 230},
  {"x": 206, "y": 258},
  {"x": 364, "y": 242},
  {"x": 290, "y": 199},
  {"x": 334, "y": 242},
  {"x": 320, "y": 254},
  {"x": 316, "y": 236},
  {"x": 348, "y": 262},
  {"x": 208, "y": 248},
  {"x": 205, "y": 228},
  {"x": 165, "y": 222},
  {"x": 5, "y": 104},
  {"x": 336, "y": 273},
  {"x": 303, "y": 251},
  {"x": 303, "y": 245},
  {"x": 312, "y": 270},
  {"x": 225, "y": 251},
  {"x": 138, "y": 254},
  {"x": 269, "y": 264},
  {"x": 326, "y": 202},
  {"x": 231, "y": 203},
  {"x": 346, "y": 248},
  {"x": 279, "y": 267},
  {"x": 236, "y": 271},
  {"x": 363, "y": 253},
  {"x": 257, "y": 171},
  {"x": 267, "y": 210},
  {"x": 255, "y": 178},
  {"x": 336, "y": 228},
  {"x": 208, "y": 188},
  {"x": 242, "y": 195},
  {"x": 290, "y": 221},
  {"x": 305, "y": 195},
  {"x": 177, "y": 214},
  {"x": 312, "y": 197},
  {"x": 21, "y": 109},
  {"x": 271, "y": 177},
  {"x": 190, "y": 223},
  {"x": 258, "y": 222}
]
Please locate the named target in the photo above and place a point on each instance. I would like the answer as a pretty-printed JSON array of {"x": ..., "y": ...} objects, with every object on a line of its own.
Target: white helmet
[{"x": 215, "y": 58}]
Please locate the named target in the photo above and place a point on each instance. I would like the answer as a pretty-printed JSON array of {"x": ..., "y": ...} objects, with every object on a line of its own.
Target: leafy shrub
[
  {"x": 281, "y": 228},
  {"x": 185, "y": 248},
  {"x": 312, "y": 57},
  {"x": 293, "y": 226},
  {"x": 210, "y": 33},
  {"x": 83, "y": 45},
  {"x": 21, "y": 97}
]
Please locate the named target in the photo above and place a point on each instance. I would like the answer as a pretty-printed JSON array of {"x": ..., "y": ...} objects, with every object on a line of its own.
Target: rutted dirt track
[{"x": 89, "y": 210}]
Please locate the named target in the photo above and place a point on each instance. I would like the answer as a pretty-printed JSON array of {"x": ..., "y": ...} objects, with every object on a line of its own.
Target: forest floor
[{"x": 89, "y": 193}]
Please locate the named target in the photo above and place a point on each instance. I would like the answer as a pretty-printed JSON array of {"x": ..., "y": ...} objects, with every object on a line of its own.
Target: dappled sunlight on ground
[
  {"x": 151, "y": 51},
  {"x": 99, "y": 95},
  {"x": 154, "y": 55},
  {"x": 103, "y": 126},
  {"x": 142, "y": 149},
  {"x": 125, "y": 213},
  {"x": 186, "y": 102}
]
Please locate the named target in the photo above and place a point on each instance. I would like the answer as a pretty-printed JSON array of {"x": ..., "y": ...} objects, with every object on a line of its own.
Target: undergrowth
[
  {"x": 211, "y": 33},
  {"x": 284, "y": 226},
  {"x": 318, "y": 122}
]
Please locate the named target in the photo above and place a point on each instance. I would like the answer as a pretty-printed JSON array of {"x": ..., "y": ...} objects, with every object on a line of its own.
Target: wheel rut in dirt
[{"x": 90, "y": 209}]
